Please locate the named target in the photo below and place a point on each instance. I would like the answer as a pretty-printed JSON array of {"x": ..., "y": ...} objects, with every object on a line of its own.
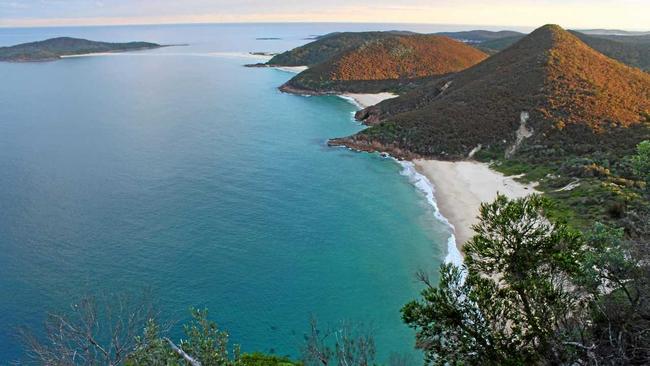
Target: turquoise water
[{"x": 181, "y": 170}]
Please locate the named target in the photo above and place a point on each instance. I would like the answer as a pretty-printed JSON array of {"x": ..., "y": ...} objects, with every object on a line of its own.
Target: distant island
[{"x": 55, "y": 48}]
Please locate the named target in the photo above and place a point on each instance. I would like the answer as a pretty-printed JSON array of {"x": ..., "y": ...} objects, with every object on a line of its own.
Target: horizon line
[{"x": 108, "y": 24}]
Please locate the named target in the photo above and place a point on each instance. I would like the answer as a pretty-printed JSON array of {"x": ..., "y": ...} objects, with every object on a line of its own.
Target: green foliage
[
  {"x": 605, "y": 258},
  {"x": 531, "y": 243},
  {"x": 641, "y": 161},
  {"x": 151, "y": 349},
  {"x": 513, "y": 303},
  {"x": 461, "y": 322},
  {"x": 535, "y": 292},
  {"x": 261, "y": 359},
  {"x": 203, "y": 341},
  {"x": 207, "y": 343},
  {"x": 616, "y": 275}
]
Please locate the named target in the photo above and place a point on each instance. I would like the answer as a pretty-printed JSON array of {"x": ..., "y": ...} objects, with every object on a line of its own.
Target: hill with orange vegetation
[
  {"x": 547, "y": 95},
  {"x": 327, "y": 46},
  {"x": 381, "y": 64}
]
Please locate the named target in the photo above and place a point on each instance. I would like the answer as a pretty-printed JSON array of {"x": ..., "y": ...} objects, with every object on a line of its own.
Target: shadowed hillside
[
  {"x": 479, "y": 36},
  {"x": 54, "y": 48},
  {"x": 549, "y": 92}
]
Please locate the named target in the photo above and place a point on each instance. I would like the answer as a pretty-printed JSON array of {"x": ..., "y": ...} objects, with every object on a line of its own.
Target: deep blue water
[{"x": 180, "y": 170}]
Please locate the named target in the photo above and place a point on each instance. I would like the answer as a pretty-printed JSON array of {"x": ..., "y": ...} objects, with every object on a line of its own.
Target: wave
[
  {"x": 351, "y": 100},
  {"x": 423, "y": 184}
]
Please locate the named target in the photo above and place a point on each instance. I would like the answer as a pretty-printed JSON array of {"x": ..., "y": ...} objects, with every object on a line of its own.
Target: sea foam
[
  {"x": 351, "y": 100},
  {"x": 423, "y": 184}
]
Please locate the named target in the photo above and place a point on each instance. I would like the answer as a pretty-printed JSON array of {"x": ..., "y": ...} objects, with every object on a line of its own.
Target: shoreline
[
  {"x": 459, "y": 188},
  {"x": 360, "y": 100},
  {"x": 365, "y": 100},
  {"x": 455, "y": 189}
]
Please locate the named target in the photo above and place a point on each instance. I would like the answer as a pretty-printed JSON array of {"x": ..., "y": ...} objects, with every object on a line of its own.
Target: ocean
[{"x": 181, "y": 171}]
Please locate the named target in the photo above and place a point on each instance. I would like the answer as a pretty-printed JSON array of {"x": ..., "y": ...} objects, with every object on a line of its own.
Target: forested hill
[
  {"x": 633, "y": 50},
  {"x": 479, "y": 36},
  {"x": 573, "y": 97},
  {"x": 383, "y": 64},
  {"x": 328, "y": 46},
  {"x": 54, "y": 48},
  {"x": 549, "y": 107}
]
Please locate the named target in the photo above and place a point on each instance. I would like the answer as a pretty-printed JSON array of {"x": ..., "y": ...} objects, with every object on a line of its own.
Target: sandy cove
[
  {"x": 461, "y": 187},
  {"x": 367, "y": 100}
]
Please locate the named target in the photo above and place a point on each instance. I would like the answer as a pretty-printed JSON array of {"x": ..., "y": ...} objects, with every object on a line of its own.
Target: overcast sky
[{"x": 626, "y": 14}]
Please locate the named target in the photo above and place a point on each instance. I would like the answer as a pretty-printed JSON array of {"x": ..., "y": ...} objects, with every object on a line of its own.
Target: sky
[{"x": 620, "y": 14}]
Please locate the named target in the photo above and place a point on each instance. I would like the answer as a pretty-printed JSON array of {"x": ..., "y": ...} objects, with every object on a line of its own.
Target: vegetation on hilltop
[
  {"x": 573, "y": 99},
  {"x": 633, "y": 50},
  {"x": 550, "y": 108},
  {"x": 326, "y": 47},
  {"x": 54, "y": 48},
  {"x": 387, "y": 63}
]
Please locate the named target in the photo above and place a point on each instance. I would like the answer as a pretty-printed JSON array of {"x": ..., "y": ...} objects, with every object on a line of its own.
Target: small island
[{"x": 56, "y": 48}]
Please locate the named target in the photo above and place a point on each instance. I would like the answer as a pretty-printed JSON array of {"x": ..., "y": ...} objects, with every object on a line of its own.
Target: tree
[
  {"x": 641, "y": 161},
  {"x": 616, "y": 275},
  {"x": 513, "y": 302},
  {"x": 346, "y": 345},
  {"x": 95, "y": 330},
  {"x": 205, "y": 345}
]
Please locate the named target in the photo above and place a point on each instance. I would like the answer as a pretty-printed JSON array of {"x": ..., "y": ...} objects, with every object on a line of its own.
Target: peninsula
[
  {"x": 56, "y": 48},
  {"x": 390, "y": 63}
]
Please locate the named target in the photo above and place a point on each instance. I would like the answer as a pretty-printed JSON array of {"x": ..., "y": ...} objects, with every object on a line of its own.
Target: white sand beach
[
  {"x": 367, "y": 100},
  {"x": 461, "y": 187},
  {"x": 94, "y": 54},
  {"x": 292, "y": 69}
]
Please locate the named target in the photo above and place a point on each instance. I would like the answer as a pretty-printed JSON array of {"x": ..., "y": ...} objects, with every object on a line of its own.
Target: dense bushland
[{"x": 389, "y": 62}]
